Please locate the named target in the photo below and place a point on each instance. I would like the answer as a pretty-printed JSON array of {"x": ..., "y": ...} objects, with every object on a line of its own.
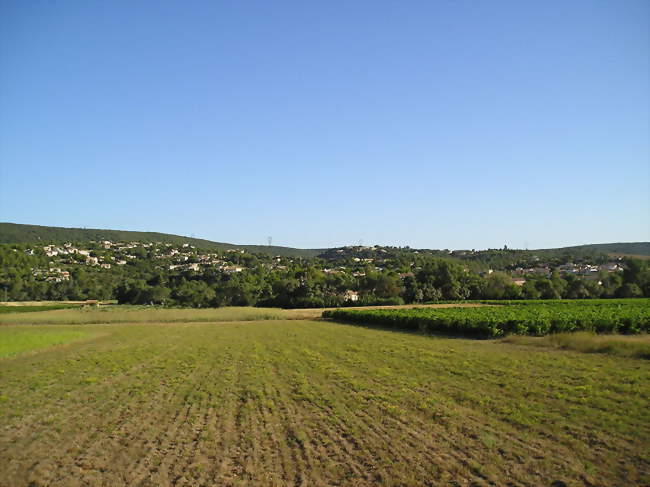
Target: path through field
[{"x": 309, "y": 403}]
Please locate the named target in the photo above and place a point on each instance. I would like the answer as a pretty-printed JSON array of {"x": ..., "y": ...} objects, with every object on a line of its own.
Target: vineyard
[{"x": 511, "y": 318}]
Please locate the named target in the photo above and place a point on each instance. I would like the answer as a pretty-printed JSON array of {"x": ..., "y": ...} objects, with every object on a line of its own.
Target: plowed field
[{"x": 276, "y": 403}]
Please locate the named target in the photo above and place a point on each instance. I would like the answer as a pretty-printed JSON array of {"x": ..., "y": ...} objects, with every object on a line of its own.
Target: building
[{"x": 351, "y": 295}]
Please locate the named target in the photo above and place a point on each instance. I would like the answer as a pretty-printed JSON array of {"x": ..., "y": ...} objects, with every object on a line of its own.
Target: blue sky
[{"x": 438, "y": 124}]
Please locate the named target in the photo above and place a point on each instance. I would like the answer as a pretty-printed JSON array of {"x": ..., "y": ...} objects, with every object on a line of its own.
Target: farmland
[
  {"x": 275, "y": 399},
  {"x": 513, "y": 317},
  {"x": 148, "y": 314},
  {"x": 33, "y": 308}
]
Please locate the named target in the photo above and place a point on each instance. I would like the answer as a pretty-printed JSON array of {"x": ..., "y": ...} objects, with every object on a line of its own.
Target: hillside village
[
  {"x": 182, "y": 274},
  {"x": 104, "y": 254},
  {"x": 185, "y": 257}
]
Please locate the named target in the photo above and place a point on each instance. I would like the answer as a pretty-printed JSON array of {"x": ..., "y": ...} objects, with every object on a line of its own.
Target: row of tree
[{"x": 304, "y": 283}]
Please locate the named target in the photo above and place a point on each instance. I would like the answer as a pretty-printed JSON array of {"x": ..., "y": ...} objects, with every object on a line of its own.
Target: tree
[
  {"x": 159, "y": 294},
  {"x": 629, "y": 290},
  {"x": 388, "y": 285},
  {"x": 611, "y": 283},
  {"x": 500, "y": 286},
  {"x": 194, "y": 293},
  {"x": 575, "y": 288},
  {"x": 546, "y": 289},
  {"x": 133, "y": 291},
  {"x": 637, "y": 272}
]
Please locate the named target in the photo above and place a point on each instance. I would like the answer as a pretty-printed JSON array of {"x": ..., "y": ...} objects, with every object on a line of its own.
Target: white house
[{"x": 351, "y": 295}]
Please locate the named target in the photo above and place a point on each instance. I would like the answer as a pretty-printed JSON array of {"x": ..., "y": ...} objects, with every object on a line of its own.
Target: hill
[
  {"x": 19, "y": 233},
  {"x": 621, "y": 248}
]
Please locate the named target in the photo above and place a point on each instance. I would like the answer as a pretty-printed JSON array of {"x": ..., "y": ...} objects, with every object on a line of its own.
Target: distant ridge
[
  {"x": 19, "y": 233},
  {"x": 621, "y": 248}
]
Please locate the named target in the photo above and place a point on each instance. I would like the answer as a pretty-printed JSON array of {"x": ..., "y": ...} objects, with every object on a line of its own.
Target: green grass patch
[
  {"x": 14, "y": 341},
  {"x": 32, "y": 309}
]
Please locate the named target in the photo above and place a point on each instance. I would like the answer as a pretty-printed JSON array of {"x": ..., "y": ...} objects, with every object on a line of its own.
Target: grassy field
[
  {"x": 147, "y": 314},
  {"x": 31, "y": 309},
  {"x": 141, "y": 314},
  {"x": 17, "y": 340},
  {"x": 297, "y": 402}
]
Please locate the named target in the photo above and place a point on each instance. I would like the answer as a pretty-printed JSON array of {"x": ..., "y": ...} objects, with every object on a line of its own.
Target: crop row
[
  {"x": 493, "y": 321},
  {"x": 643, "y": 302}
]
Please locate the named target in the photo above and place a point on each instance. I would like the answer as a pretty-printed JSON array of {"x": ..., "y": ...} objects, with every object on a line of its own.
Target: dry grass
[
  {"x": 635, "y": 346},
  {"x": 137, "y": 314},
  {"x": 144, "y": 314}
]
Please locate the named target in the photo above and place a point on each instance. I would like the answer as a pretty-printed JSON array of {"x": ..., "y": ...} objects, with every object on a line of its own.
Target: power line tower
[{"x": 269, "y": 240}]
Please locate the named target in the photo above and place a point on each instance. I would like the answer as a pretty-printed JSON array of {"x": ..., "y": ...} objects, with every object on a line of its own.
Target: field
[
  {"x": 147, "y": 314},
  {"x": 144, "y": 314},
  {"x": 637, "y": 346},
  {"x": 17, "y": 340},
  {"x": 33, "y": 308},
  {"x": 281, "y": 401}
]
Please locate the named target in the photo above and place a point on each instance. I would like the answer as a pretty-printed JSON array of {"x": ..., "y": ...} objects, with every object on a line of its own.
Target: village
[
  {"x": 351, "y": 261},
  {"x": 105, "y": 254}
]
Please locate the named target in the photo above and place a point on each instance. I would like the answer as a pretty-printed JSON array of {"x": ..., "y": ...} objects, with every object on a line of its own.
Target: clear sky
[{"x": 438, "y": 124}]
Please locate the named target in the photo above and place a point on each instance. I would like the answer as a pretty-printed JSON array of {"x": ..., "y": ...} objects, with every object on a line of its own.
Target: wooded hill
[
  {"x": 14, "y": 233},
  {"x": 631, "y": 248}
]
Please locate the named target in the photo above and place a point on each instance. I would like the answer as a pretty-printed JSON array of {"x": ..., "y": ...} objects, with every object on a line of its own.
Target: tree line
[{"x": 302, "y": 283}]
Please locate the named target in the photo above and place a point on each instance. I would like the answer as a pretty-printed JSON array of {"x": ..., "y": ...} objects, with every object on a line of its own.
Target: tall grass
[
  {"x": 149, "y": 314},
  {"x": 115, "y": 314},
  {"x": 637, "y": 346}
]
